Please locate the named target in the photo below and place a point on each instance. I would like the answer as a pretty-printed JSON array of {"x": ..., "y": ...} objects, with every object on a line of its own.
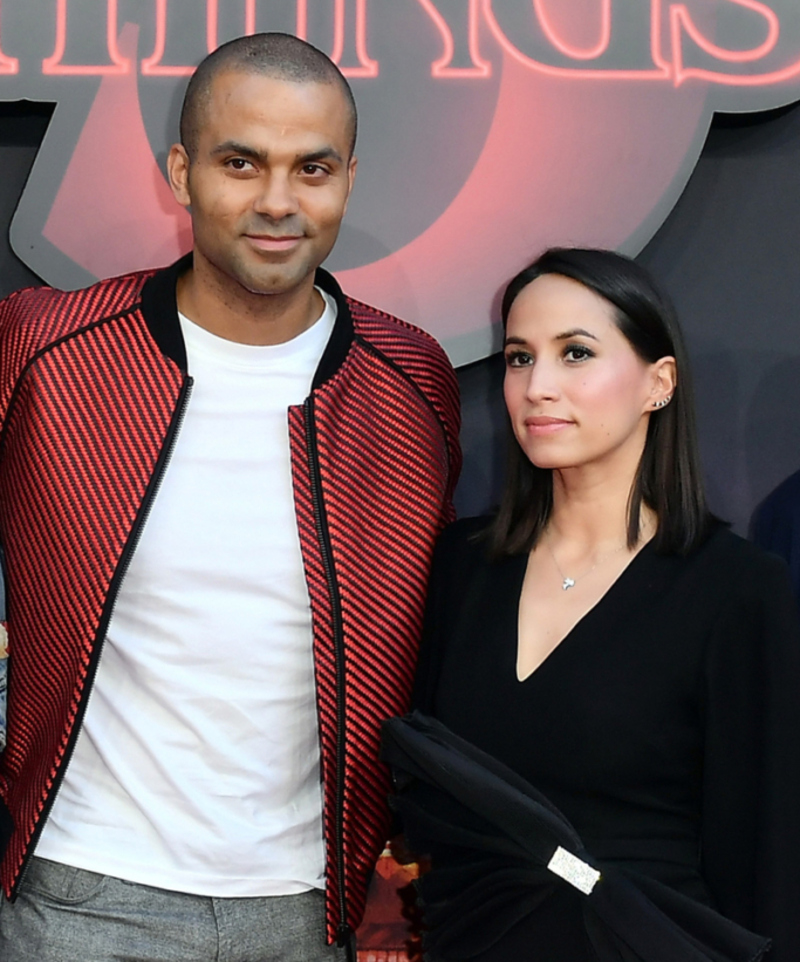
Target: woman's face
[{"x": 576, "y": 391}]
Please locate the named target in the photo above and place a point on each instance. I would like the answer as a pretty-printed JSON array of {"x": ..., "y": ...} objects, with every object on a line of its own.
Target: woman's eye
[
  {"x": 518, "y": 359},
  {"x": 577, "y": 352}
]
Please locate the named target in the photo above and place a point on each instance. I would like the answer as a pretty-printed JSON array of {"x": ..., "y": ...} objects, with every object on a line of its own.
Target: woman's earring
[{"x": 663, "y": 402}]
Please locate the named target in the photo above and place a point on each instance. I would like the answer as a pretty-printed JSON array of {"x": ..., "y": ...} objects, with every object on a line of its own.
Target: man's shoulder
[
  {"x": 395, "y": 337},
  {"x": 44, "y": 314},
  {"x": 418, "y": 357}
]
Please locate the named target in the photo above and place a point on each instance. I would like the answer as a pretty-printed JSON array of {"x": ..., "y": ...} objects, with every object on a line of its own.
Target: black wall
[{"x": 728, "y": 256}]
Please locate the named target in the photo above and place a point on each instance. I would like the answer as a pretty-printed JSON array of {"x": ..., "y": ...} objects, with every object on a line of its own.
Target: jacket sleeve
[
  {"x": 447, "y": 401},
  {"x": 751, "y": 777},
  {"x": 9, "y": 372},
  {"x": 16, "y": 344}
]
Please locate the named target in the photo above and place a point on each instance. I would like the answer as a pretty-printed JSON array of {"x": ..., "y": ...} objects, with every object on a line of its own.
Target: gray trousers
[{"x": 65, "y": 914}]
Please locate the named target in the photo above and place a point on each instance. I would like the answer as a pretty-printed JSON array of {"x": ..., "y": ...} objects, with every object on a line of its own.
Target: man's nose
[{"x": 277, "y": 198}]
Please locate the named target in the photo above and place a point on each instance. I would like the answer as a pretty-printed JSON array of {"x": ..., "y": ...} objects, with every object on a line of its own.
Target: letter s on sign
[{"x": 694, "y": 55}]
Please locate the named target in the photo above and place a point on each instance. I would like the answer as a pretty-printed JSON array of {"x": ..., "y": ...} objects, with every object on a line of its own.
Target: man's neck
[{"x": 236, "y": 314}]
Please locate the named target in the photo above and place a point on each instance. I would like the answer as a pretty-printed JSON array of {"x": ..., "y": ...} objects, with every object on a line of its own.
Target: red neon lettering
[
  {"x": 212, "y": 20},
  {"x": 541, "y": 42},
  {"x": 361, "y": 65},
  {"x": 443, "y": 67},
  {"x": 212, "y": 25},
  {"x": 302, "y": 19},
  {"x": 576, "y": 53},
  {"x": 681, "y": 18},
  {"x": 681, "y": 25},
  {"x": 250, "y": 17},
  {"x": 152, "y": 65},
  {"x": 552, "y": 54},
  {"x": 118, "y": 65},
  {"x": 364, "y": 65}
]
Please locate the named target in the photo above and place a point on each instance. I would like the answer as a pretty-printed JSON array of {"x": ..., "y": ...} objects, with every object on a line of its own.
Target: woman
[{"x": 614, "y": 646}]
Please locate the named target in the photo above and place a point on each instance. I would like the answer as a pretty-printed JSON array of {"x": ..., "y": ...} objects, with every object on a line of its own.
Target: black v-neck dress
[{"x": 665, "y": 726}]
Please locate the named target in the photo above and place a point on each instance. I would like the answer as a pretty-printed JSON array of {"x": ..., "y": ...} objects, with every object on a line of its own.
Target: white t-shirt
[{"x": 197, "y": 767}]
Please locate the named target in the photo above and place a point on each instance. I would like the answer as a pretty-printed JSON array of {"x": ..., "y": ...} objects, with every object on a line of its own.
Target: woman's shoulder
[
  {"x": 740, "y": 556},
  {"x": 462, "y": 547},
  {"x": 741, "y": 570},
  {"x": 464, "y": 533}
]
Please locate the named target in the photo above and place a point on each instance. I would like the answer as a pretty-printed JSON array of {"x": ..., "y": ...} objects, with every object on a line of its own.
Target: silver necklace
[{"x": 566, "y": 581}]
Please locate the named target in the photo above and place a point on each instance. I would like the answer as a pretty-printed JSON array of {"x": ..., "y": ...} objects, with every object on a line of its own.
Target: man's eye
[
  {"x": 239, "y": 163},
  {"x": 313, "y": 170}
]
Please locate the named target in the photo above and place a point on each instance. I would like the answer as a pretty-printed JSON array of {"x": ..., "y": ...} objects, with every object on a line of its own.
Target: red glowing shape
[
  {"x": 250, "y": 17},
  {"x": 529, "y": 189},
  {"x": 148, "y": 227}
]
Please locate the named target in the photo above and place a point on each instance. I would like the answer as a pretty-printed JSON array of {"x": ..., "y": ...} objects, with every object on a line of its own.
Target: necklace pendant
[{"x": 568, "y": 583}]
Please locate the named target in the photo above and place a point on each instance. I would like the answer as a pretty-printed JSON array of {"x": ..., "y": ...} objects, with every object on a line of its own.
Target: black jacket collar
[{"x": 160, "y": 309}]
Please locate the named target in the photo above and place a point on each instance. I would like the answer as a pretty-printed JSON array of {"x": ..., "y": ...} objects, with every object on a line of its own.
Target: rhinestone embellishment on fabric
[{"x": 574, "y": 870}]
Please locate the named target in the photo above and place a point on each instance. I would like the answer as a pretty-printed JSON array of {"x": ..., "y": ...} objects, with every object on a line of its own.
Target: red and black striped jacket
[{"x": 93, "y": 384}]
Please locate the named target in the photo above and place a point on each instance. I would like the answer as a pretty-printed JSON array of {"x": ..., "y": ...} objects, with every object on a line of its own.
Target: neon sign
[
  {"x": 490, "y": 128},
  {"x": 641, "y": 53}
]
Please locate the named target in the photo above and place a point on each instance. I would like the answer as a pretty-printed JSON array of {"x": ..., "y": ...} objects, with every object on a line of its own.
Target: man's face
[{"x": 269, "y": 181}]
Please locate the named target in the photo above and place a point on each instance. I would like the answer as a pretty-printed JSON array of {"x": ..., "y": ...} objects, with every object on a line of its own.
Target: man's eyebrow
[
  {"x": 233, "y": 147},
  {"x": 326, "y": 153}
]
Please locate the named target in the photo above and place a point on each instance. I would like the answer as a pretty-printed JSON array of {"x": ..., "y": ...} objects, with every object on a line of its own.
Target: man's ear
[
  {"x": 352, "y": 164},
  {"x": 178, "y": 173}
]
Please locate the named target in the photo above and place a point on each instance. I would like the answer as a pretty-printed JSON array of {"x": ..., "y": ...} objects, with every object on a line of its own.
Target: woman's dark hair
[{"x": 669, "y": 478}]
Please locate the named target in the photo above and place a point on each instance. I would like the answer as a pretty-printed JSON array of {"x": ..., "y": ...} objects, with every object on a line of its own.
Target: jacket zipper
[
  {"x": 326, "y": 549},
  {"x": 116, "y": 581}
]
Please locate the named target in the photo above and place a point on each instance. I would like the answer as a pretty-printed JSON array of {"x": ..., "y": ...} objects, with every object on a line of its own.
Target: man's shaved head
[{"x": 278, "y": 55}]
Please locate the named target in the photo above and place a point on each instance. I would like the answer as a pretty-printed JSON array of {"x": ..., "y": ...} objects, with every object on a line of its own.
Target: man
[{"x": 239, "y": 588}]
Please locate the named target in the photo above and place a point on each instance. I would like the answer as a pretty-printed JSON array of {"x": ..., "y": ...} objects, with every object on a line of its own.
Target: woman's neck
[{"x": 590, "y": 508}]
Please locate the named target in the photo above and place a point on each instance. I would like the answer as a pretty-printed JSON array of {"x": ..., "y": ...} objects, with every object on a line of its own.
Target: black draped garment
[{"x": 665, "y": 726}]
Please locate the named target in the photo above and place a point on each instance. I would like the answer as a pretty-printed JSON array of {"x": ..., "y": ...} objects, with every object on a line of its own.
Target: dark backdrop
[{"x": 728, "y": 256}]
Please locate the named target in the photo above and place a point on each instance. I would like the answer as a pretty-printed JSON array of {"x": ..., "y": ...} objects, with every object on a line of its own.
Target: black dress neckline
[{"x": 585, "y": 623}]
